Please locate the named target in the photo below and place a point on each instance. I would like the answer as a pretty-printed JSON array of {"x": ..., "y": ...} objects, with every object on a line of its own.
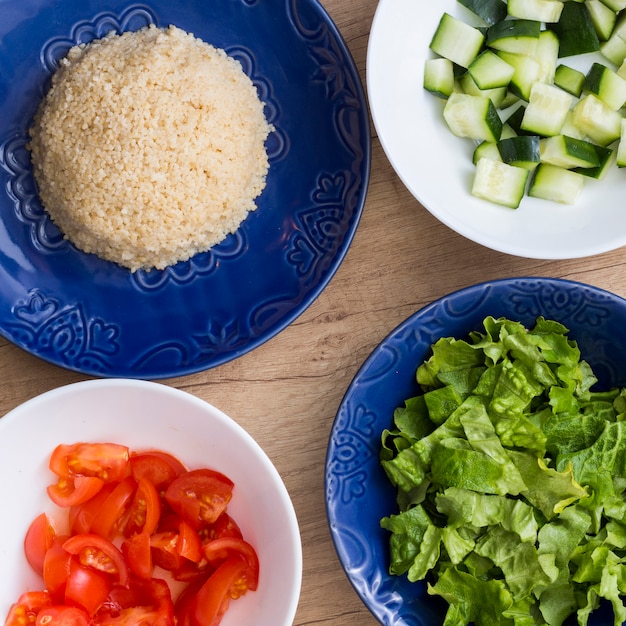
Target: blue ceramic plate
[
  {"x": 358, "y": 493},
  {"x": 89, "y": 315}
]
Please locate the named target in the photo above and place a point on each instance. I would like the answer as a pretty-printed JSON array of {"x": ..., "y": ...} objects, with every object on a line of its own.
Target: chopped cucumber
[
  {"x": 490, "y": 11},
  {"x": 569, "y": 79},
  {"x": 597, "y": 120},
  {"x": 538, "y": 10},
  {"x": 468, "y": 86},
  {"x": 499, "y": 183},
  {"x": 519, "y": 36},
  {"x": 568, "y": 152},
  {"x": 556, "y": 184},
  {"x": 456, "y": 40},
  {"x": 547, "y": 109},
  {"x": 522, "y": 151},
  {"x": 615, "y": 5},
  {"x": 621, "y": 147},
  {"x": 603, "y": 18},
  {"x": 614, "y": 49},
  {"x": 547, "y": 55},
  {"x": 472, "y": 116},
  {"x": 563, "y": 120},
  {"x": 490, "y": 71},
  {"x": 439, "y": 77},
  {"x": 606, "y": 84},
  {"x": 575, "y": 30},
  {"x": 606, "y": 157},
  {"x": 527, "y": 72}
]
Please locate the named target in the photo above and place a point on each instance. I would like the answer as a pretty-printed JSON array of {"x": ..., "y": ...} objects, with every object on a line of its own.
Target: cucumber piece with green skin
[
  {"x": 614, "y": 49},
  {"x": 547, "y": 55},
  {"x": 521, "y": 151},
  {"x": 538, "y": 10},
  {"x": 606, "y": 157},
  {"x": 527, "y": 72},
  {"x": 556, "y": 184},
  {"x": 468, "y": 86},
  {"x": 575, "y": 30},
  {"x": 490, "y": 11},
  {"x": 606, "y": 84},
  {"x": 595, "y": 119},
  {"x": 472, "y": 116},
  {"x": 615, "y": 5},
  {"x": 499, "y": 183},
  {"x": 603, "y": 18},
  {"x": 457, "y": 41},
  {"x": 568, "y": 152},
  {"x": 569, "y": 79},
  {"x": 439, "y": 77},
  {"x": 520, "y": 36},
  {"x": 547, "y": 109},
  {"x": 490, "y": 71},
  {"x": 620, "y": 154},
  {"x": 489, "y": 149}
]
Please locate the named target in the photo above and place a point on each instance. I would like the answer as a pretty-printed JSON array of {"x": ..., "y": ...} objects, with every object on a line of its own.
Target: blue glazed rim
[
  {"x": 87, "y": 315},
  {"x": 357, "y": 491}
]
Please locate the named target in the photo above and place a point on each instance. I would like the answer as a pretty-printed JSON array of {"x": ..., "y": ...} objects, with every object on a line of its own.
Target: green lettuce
[{"x": 510, "y": 476}]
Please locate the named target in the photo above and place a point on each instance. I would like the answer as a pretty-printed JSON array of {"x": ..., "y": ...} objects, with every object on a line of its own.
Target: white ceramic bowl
[
  {"x": 436, "y": 166},
  {"x": 143, "y": 414}
]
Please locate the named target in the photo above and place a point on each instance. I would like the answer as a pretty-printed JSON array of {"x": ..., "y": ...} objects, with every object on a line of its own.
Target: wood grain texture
[{"x": 286, "y": 392}]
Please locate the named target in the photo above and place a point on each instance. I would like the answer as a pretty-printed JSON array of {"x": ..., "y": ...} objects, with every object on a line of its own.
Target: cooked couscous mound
[{"x": 149, "y": 147}]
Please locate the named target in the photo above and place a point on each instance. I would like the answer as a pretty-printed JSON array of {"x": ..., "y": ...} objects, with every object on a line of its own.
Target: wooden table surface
[{"x": 286, "y": 392}]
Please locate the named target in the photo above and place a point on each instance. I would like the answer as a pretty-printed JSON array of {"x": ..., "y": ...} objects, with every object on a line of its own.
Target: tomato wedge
[
  {"x": 107, "y": 461},
  {"x": 86, "y": 587},
  {"x": 73, "y": 490},
  {"x": 224, "y": 548},
  {"x": 56, "y": 569},
  {"x": 213, "y": 598},
  {"x": 27, "y": 607},
  {"x": 143, "y": 603},
  {"x": 138, "y": 554},
  {"x": 39, "y": 538},
  {"x": 145, "y": 509},
  {"x": 100, "y": 554},
  {"x": 81, "y": 516},
  {"x": 110, "y": 517},
  {"x": 62, "y": 616},
  {"x": 160, "y": 468},
  {"x": 200, "y": 496}
]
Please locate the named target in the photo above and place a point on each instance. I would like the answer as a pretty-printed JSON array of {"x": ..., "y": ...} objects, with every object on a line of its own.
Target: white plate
[
  {"x": 143, "y": 415},
  {"x": 436, "y": 166}
]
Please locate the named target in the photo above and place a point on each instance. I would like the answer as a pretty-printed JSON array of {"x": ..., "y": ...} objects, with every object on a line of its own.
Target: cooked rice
[{"x": 149, "y": 147}]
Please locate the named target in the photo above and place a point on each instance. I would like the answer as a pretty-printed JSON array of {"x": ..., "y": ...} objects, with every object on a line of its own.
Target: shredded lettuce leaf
[{"x": 510, "y": 475}]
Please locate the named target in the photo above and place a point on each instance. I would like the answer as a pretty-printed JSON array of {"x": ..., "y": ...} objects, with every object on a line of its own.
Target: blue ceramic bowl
[
  {"x": 358, "y": 494},
  {"x": 92, "y": 316}
]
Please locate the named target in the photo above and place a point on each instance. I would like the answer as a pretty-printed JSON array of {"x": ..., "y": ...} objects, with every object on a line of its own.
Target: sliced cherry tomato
[
  {"x": 100, "y": 554},
  {"x": 185, "y": 603},
  {"x": 56, "y": 569},
  {"x": 145, "y": 510},
  {"x": 213, "y": 598},
  {"x": 222, "y": 549},
  {"x": 165, "y": 550},
  {"x": 86, "y": 587},
  {"x": 160, "y": 468},
  {"x": 111, "y": 515},
  {"x": 63, "y": 616},
  {"x": 107, "y": 461},
  {"x": 73, "y": 490},
  {"x": 39, "y": 538},
  {"x": 223, "y": 526},
  {"x": 81, "y": 516},
  {"x": 200, "y": 496},
  {"x": 27, "y": 607},
  {"x": 138, "y": 554},
  {"x": 143, "y": 603}
]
